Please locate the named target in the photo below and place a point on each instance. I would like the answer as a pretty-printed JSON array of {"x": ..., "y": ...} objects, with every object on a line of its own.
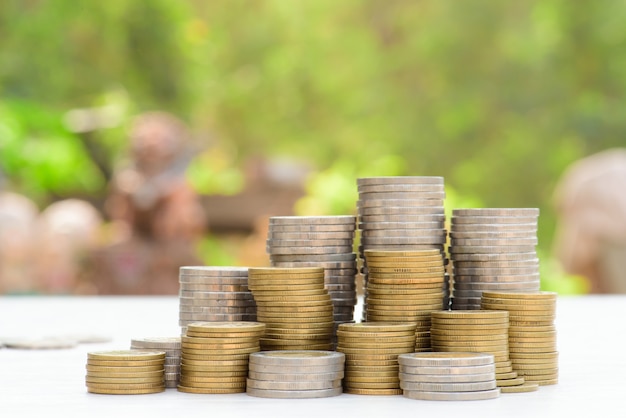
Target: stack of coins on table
[
  {"x": 400, "y": 213},
  {"x": 532, "y": 334},
  {"x": 293, "y": 374},
  {"x": 210, "y": 293},
  {"x": 295, "y": 306},
  {"x": 372, "y": 351},
  {"x": 478, "y": 332},
  {"x": 171, "y": 347},
  {"x": 319, "y": 241},
  {"x": 125, "y": 372},
  {"x": 215, "y": 356},
  {"x": 492, "y": 249},
  {"x": 453, "y": 376}
]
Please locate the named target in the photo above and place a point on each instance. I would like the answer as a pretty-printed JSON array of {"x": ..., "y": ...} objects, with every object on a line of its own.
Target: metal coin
[
  {"x": 453, "y": 396},
  {"x": 488, "y": 220},
  {"x": 313, "y": 228},
  {"x": 369, "y": 181},
  {"x": 394, "y": 195},
  {"x": 440, "y": 225},
  {"x": 515, "y": 212},
  {"x": 400, "y": 187},
  {"x": 219, "y": 271},
  {"x": 294, "y": 394},
  {"x": 316, "y": 236},
  {"x": 293, "y": 386},
  {"x": 312, "y": 220}
]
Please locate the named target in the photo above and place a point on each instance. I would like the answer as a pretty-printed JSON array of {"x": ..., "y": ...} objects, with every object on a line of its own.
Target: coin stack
[
  {"x": 492, "y": 249},
  {"x": 125, "y": 372},
  {"x": 171, "y": 347},
  {"x": 400, "y": 213},
  {"x": 372, "y": 350},
  {"x": 453, "y": 376},
  {"x": 532, "y": 334},
  {"x": 295, "y": 306},
  {"x": 210, "y": 293},
  {"x": 319, "y": 241},
  {"x": 215, "y": 356},
  {"x": 293, "y": 374},
  {"x": 478, "y": 332}
]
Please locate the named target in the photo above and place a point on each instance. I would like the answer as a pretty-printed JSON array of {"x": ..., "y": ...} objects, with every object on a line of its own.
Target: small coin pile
[
  {"x": 476, "y": 331},
  {"x": 125, "y": 372},
  {"x": 295, "y": 306},
  {"x": 171, "y": 347},
  {"x": 532, "y": 334},
  {"x": 400, "y": 213},
  {"x": 215, "y": 356},
  {"x": 452, "y": 376},
  {"x": 371, "y": 350},
  {"x": 210, "y": 293},
  {"x": 492, "y": 249},
  {"x": 295, "y": 374}
]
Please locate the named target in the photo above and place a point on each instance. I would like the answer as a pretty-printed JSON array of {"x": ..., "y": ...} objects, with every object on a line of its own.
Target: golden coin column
[
  {"x": 295, "y": 306},
  {"x": 532, "y": 334},
  {"x": 371, "y": 351},
  {"x": 215, "y": 356}
]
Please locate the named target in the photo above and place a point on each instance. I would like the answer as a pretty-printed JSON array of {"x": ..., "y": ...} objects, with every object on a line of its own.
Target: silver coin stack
[
  {"x": 319, "y": 241},
  {"x": 492, "y": 249},
  {"x": 209, "y": 293},
  {"x": 172, "y": 348},
  {"x": 295, "y": 374},
  {"x": 401, "y": 213}
]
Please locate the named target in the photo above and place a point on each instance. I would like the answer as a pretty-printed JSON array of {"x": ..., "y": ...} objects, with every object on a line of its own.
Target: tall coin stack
[
  {"x": 400, "y": 213},
  {"x": 532, "y": 334},
  {"x": 492, "y": 249},
  {"x": 295, "y": 374},
  {"x": 125, "y": 372},
  {"x": 319, "y": 241},
  {"x": 476, "y": 331},
  {"x": 210, "y": 293},
  {"x": 215, "y": 356},
  {"x": 371, "y": 351},
  {"x": 295, "y": 306},
  {"x": 171, "y": 347}
]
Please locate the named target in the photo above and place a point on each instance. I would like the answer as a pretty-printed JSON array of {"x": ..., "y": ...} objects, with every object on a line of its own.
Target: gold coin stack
[
  {"x": 125, "y": 372},
  {"x": 171, "y": 347},
  {"x": 453, "y": 376},
  {"x": 295, "y": 374},
  {"x": 372, "y": 350},
  {"x": 295, "y": 306},
  {"x": 532, "y": 334},
  {"x": 476, "y": 331},
  {"x": 215, "y": 356},
  {"x": 405, "y": 286}
]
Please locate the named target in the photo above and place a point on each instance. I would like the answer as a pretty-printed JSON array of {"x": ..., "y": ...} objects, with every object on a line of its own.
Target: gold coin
[
  {"x": 467, "y": 330},
  {"x": 526, "y": 387},
  {"x": 258, "y": 271},
  {"x": 382, "y": 340},
  {"x": 433, "y": 286},
  {"x": 223, "y": 335},
  {"x": 123, "y": 370},
  {"x": 202, "y": 370},
  {"x": 520, "y": 303},
  {"x": 126, "y": 355},
  {"x": 409, "y": 303},
  {"x": 213, "y": 376},
  {"x": 217, "y": 385},
  {"x": 416, "y": 279},
  {"x": 208, "y": 363},
  {"x": 494, "y": 315},
  {"x": 388, "y": 369},
  {"x": 106, "y": 391},
  {"x": 371, "y": 385},
  {"x": 199, "y": 354},
  {"x": 380, "y": 392},
  {"x": 381, "y": 327},
  {"x": 280, "y": 286},
  {"x": 378, "y": 351},
  {"x": 404, "y": 263},
  {"x": 383, "y": 271},
  {"x": 234, "y": 346},
  {"x": 510, "y": 382},
  {"x": 459, "y": 322},
  {"x": 534, "y": 356},
  {"x": 230, "y": 327},
  {"x": 520, "y": 295},
  {"x": 491, "y": 337},
  {"x": 186, "y": 389},
  {"x": 116, "y": 385},
  {"x": 537, "y": 366},
  {"x": 124, "y": 380},
  {"x": 505, "y": 375},
  {"x": 354, "y": 334},
  {"x": 215, "y": 357},
  {"x": 139, "y": 375},
  {"x": 219, "y": 340},
  {"x": 377, "y": 345},
  {"x": 516, "y": 310},
  {"x": 125, "y": 363}
]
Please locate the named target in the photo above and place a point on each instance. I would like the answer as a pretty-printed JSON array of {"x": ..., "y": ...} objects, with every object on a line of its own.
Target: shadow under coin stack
[
  {"x": 476, "y": 331},
  {"x": 532, "y": 334},
  {"x": 171, "y": 347},
  {"x": 295, "y": 374},
  {"x": 295, "y": 306},
  {"x": 492, "y": 249},
  {"x": 215, "y": 356},
  {"x": 319, "y": 241},
  {"x": 371, "y": 351},
  {"x": 400, "y": 213},
  {"x": 210, "y": 293},
  {"x": 454, "y": 376},
  {"x": 125, "y": 372}
]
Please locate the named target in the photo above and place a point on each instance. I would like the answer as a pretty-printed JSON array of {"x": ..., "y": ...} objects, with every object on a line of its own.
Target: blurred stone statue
[{"x": 590, "y": 238}]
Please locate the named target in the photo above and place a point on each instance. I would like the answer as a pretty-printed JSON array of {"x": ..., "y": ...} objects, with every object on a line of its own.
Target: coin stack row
[
  {"x": 214, "y": 294},
  {"x": 295, "y": 374},
  {"x": 171, "y": 347},
  {"x": 125, "y": 372},
  {"x": 493, "y": 249},
  {"x": 400, "y": 213}
]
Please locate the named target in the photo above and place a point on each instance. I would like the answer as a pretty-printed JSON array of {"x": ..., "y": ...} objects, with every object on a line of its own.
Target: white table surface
[{"x": 43, "y": 383}]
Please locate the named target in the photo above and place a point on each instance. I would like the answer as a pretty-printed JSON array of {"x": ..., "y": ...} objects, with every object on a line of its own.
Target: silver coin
[
  {"x": 291, "y": 386},
  {"x": 465, "y": 301},
  {"x": 172, "y": 368},
  {"x": 366, "y": 241},
  {"x": 344, "y": 302},
  {"x": 172, "y": 361},
  {"x": 171, "y": 376},
  {"x": 273, "y": 243},
  {"x": 407, "y": 247},
  {"x": 343, "y": 309},
  {"x": 312, "y": 220},
  {"x": 460, "y": 294},
  {"x": 309, "y": 250},
  {"x": 463, "y": 271},
  {"x": 447, "y": 371},
  {"x": 168, "y": 352},
  {"x": 456, "y": 307},
  {"x": 211, "y": 317},
  {"x": 489, "y": 220},
  {"x": 493, "y": 228},
  {"x": 313, "y": 228},
  {"x": 211, "y": 302},
  {"x": 296, "y": 377},
  {"x": 307, "y": 358},
  {"x": 194, "y": 287},
  {"x": 492, "y": 235},
  {"x": 527, "y": 286},
  {"x": 401, "y": 195},
  {"x": 340, "y": 281},
  {"x": 529, "y": 255},
  {"x": 400, "y": 187},
  {"x": 219, "y": 271},
  {"x": 402, "y": 225},
  {"x": 217, "y": 309},
  {"x": 474, "y": 249},
  {"x": 296, "y": 369},
  {"x": 384, "y": 180},
  {"x": 448, "y": 387},
  {"x": 216, "y": 295},
  {"x": 533, "y": 262},
  {"x": 497, "y": 279},
  {"x": 328, "y": 258},
  {"x": 346, "y": 235},
  {"x": 351, "y": 286},
  {"x": 426, "y": 211},
  {"x": 217, "y": 318},
  {"x": 414, "y": 203},
  {"x": 333, "y": 265},
  {"x": 294, "y": 394},
  {"x": 452, "y": 396},
  {"x": 156, "y": 342},
  {"x": 493, "y": 242},
  {"x": 329, "y": 272},
  {"x": 442, "y": 378},
  {"x": 517, "y": 212},
  {"x": 438, "y": 232},
  {"x": 203, "y": 280},
  {"x": 342, "y": 294}
]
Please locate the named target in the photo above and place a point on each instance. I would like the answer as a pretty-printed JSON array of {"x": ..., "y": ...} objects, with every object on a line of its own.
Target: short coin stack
[
  {"x": 453, "y": 376},
  {"x": 400, "y": 213},
  {"x": 125, "y": 372},
  {"x": 215, "y": 356},
  {"x": 295, "y": 374},
  {"x": 493, "y": 249},
  {"x": 476, "y": 331},
  {"x": 171, "y": 347},
  {"x": 532, "y": 334},
  {"x": 210, "y": 293},
  {"x": 372, "y": 351}
]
